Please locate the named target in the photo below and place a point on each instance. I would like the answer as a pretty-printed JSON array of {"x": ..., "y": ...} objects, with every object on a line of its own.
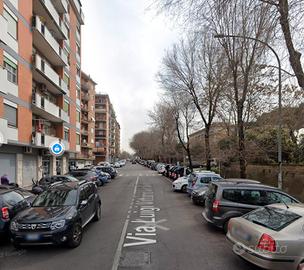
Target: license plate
[{"x": 32, "y": 237}]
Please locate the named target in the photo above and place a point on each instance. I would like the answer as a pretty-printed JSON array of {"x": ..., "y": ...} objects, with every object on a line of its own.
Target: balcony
[
  {"x": 100, "y": 110},
  {"x": 78, "y": 59},
  {"x": 64, "y": 116},
  {"x": 45, "y": 42},
  {"x": 84, "y": 132},
  {"x": 61, "y": 6},
  {"x": 8, "y": 133},
  {"x": 85, "y": 97},
  {"x": 44, "y": 140},
  {"x": 6, "y": 86},
  {"x": 45, "y": 108},
  {"x": 78, "y": 39},
  {"x": 46, "y": 9},
  {"x": 79, "y": 13},
  {"x": 84, "y": 120},
  {"x": 45, "y": 74}
]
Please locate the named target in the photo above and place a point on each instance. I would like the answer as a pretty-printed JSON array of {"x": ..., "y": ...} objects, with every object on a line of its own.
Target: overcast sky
[{"x": 122, "y": 48}]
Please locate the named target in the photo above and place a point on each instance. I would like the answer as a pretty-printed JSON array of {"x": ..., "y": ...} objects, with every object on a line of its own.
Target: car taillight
[
  {"x": 267, "y": 243},
  {"x": 5, "y": 213},
  {"x": 216, "y": 206}
]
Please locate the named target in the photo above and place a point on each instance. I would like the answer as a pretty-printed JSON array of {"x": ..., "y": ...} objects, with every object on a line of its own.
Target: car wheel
[
  {"x": 184, "y": 188},
  {"x": 97, "y": 213},
  {"x": 75, "y": 237}
]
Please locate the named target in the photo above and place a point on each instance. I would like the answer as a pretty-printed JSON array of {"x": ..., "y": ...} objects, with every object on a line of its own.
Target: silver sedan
[{"x": 270, "y": 237}]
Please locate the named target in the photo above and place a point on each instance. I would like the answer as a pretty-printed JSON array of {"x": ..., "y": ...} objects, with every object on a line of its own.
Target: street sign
[{"x": 57, "y": 149}]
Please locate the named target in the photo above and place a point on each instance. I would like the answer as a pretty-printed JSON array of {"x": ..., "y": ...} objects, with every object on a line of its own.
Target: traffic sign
[{"x": 57, "y": 149}]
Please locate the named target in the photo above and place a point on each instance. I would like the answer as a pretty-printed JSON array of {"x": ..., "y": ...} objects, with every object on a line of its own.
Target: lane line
[{"x": 123, "y": 235}]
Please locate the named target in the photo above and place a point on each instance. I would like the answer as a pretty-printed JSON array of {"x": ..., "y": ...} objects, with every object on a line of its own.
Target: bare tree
[{"x": 196, "y": 69}]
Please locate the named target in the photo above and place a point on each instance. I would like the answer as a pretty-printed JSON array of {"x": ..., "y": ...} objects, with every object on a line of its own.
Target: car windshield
[
  {"x": 56, "y": 197},
  {"x": 272, "y": 218},
  {"x": 79, "y": 173}
]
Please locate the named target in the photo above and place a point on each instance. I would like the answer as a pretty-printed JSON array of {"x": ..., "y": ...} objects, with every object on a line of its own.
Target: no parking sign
[{"x": 57, "y": 149}]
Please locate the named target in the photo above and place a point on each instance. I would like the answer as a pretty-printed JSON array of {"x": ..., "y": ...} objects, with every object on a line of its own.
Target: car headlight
[
  {"x": 14, "y": 226},
  {"x": 57, "y": 225}
]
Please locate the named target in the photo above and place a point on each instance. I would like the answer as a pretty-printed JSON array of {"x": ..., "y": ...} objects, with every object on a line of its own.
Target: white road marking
[{"x": 123, "y": 235}]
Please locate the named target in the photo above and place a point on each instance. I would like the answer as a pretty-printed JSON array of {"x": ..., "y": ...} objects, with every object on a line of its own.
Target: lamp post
[{"x": 280, "y": 180}]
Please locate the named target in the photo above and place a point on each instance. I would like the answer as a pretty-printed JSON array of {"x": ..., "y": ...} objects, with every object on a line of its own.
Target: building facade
[
  {"x": 107, "y": 130},
  {"x": 40, "y": 86},
  {"x": 86, "y": 157}
]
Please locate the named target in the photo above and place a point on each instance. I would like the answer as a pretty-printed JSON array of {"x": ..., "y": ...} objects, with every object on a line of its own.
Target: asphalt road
[{"x": 144, "y": 225}]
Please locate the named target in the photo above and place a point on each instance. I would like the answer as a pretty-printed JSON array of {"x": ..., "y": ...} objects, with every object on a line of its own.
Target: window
[
  {"x": 66, "y": 135},
  {"x": 10, "y": 114},
  {"x": 276, "y": 197},
  {"x": 205, "y": 180},
  {"x": 66, "y": 107},
  {"x": 78, "y": 139},
  {"x": 11, "y": 68},
  {"x": 78, "y": 116},
  {"x": 66, "y": 79},
  {"x": 272, "y": 218},
  {"x": 252, "y": 197},
  {"x": 12, "y": 24}
]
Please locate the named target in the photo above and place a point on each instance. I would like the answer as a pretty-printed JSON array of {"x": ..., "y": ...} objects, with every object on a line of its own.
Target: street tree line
[{"x": 230, "y": 80}]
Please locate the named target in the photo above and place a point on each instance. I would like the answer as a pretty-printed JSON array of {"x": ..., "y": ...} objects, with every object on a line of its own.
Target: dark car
[
  {"x": 58, "y": 215},
  {"x": 12, "y": 201},
  {"x": 236, "y": 197},
  {"x": 179, "y": 172},
  {"x": 86, "y": 174},
  {"x": 107, "y": 169},
  {"x": 46, "y": 181}
]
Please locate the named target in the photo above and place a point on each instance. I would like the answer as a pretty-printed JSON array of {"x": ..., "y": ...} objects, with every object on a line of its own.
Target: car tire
[
  {"x": 75, "y": 236},
  {"x": 97, "y": 216},
  {"x": 184, "y": 188}
]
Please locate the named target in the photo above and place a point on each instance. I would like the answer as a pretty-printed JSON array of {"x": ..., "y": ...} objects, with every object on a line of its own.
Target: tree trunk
[
  {"x": 294, "y": 55},
  {"x": 207, "y": 147},
  {"x": 241, "y": 137},
  {"x": 189, "y": 159}
]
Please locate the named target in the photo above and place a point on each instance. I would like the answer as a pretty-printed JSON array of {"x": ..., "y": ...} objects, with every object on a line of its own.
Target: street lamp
[{"x": 280, "y": 180}]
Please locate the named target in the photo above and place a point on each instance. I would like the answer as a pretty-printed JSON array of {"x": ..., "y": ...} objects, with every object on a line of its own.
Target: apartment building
[
  {"x": 86, "y": 157},
  {"x": 40, "y": 86},
  {"x": 107, "y": 130}
]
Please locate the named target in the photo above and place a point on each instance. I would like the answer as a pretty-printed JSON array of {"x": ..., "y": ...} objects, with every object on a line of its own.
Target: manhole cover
[{"x": 135, "y": 259}]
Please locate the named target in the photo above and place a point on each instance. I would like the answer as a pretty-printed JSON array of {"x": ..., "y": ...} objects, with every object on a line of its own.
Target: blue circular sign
[{"x": 57, "y": 149}]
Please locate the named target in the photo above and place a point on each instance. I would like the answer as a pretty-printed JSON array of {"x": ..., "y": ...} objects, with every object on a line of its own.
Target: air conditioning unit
[{"x": 28, "y": 150}]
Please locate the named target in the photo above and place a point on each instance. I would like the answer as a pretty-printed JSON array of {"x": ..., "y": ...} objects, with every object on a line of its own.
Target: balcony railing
[
  {"x": 53, "y": 78},
  {"x": 79, "y": 12},
  {"x": 44, "y": 140},
  {"x": 44, "y": 41}
]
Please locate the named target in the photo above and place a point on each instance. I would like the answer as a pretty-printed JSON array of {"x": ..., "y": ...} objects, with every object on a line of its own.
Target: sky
[{"x": 122, "y": 47}]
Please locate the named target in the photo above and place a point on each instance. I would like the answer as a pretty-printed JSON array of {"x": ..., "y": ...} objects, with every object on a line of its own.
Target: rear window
[
  {"x": 11, "y": 198},
  {"x": 272, "y": 218}
]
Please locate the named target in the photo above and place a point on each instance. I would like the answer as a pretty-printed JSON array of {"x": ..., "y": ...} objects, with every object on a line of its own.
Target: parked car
[
  {"x": 86, "y": 174},
  {"x": 111, "y": 171},
  {"x": 41, "y": 185},
  {"x": 236, "y": 197},
  {"x": 201, "y": 179},
  {"x": 12, "y": 201},
  {"x": 270, "y": 237},
  {"x": 180, "y": 184},
  {"x": 58, "y": 215}
]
